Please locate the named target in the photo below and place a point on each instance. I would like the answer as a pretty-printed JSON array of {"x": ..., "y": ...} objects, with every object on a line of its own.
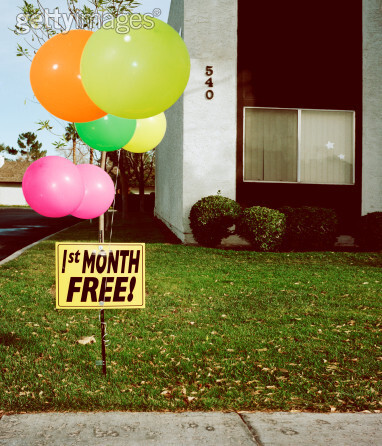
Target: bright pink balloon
[
  {"x": 99, "y": 192},
  {"x": 53, "y": 187}
]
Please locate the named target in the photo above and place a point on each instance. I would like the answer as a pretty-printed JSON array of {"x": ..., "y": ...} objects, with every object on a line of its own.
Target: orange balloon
[{"x": 56, "y": 80}]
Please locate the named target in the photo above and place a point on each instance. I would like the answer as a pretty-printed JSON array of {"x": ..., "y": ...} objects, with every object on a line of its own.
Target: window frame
[{"x": 299, "y": 114}]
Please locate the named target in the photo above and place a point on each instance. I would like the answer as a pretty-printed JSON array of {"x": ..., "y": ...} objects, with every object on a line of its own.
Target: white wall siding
[
  {"x": 12, "y": 195},
  {"x": 209, "y": 134},
  {"x": 169, "y": 172},
  {"x": 372, "y": 110},
  {"x": 169, "y": 154}
]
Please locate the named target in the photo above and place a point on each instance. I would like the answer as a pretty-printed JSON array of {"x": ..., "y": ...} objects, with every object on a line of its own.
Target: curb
[
  {"x": 22, "y": 250},
  {"x": 191, "y": 428}
]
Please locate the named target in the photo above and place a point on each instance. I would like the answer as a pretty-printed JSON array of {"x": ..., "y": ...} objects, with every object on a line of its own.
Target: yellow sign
[{"x": 93, "y": 275}]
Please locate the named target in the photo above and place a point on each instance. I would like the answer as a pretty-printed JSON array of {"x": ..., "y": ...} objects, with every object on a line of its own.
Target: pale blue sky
[{"x": 16, "y": 115}]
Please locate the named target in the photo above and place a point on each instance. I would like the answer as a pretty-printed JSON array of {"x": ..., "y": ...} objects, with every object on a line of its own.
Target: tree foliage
[
  {"x": 40, "y": 23},
  {"x": 72, "y": 136},
  {"x": 30, "y": 147},
  {"x": 134, "y": 170},
  {"x": 78, "y": 151},
  {"x": 7, "y": 150}
]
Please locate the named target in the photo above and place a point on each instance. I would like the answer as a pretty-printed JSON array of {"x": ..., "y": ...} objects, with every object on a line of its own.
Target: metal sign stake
[
  {"x": 102, "y": 318},
  {"x": 101, "y": 239}
]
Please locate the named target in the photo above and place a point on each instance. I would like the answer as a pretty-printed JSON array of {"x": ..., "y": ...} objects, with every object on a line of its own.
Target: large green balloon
[
  {"x": 108, "y": 133},
  {"x": 135, "y": 67}
]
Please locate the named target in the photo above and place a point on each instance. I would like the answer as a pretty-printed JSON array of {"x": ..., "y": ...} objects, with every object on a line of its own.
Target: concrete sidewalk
[{"x": 191, "y": 428}]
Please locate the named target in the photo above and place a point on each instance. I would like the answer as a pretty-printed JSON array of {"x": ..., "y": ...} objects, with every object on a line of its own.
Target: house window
[{"x": 298, "y": 146}]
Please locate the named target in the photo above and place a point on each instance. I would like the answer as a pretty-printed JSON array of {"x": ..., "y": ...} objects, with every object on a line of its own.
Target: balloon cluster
[
  {"x": 54, "y": 187},
  {"x": 114, "y": 84},
  {"x": 109, "y": 82}
]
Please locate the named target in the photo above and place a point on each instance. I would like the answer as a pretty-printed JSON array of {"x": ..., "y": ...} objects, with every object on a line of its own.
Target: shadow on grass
[
  {"x": 144, "y": 228},
  {"x": 138, "y": 227},
  {"x": 12, "y": 340}
]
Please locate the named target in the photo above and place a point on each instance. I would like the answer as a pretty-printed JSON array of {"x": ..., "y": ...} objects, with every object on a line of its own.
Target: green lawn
[{"x": 222, "y": 330}]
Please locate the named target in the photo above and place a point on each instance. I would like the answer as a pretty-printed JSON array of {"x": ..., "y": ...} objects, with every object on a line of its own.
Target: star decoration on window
[
  {"x": 329, "y": 145},
  {"x": 341, "y": 157}
]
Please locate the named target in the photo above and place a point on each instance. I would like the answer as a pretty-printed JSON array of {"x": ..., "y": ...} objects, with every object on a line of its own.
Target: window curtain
[
  {"x": 326, "y": 154},
  {"x": 270, "y": 145}
]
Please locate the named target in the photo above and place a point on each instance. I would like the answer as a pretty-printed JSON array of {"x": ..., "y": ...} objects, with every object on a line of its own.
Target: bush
[
  {"x": 211, "y": 217},
  {"x": 370, "y": 237},
  {"x": 262, "y": 227},
  {"x": 309, "y": 228}
]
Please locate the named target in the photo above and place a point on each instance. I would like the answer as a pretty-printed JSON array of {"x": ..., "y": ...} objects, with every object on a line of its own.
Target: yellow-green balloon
[
  {"x": 148, "y": 134},
  {"x": 135, "y": 67}
]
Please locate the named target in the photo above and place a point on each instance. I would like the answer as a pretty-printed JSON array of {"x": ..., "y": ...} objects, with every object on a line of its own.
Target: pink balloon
[
  {"x": 99, "y": 192},
  {"x": 53, "y": 187}
]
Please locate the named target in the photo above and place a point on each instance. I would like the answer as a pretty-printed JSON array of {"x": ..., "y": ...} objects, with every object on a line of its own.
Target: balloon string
[{"x": 115, "y": 196}]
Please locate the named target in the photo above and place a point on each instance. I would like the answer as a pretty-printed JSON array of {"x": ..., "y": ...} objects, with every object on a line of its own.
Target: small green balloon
[
  {"x": 135, "y": 67},
  {"x": 108, "y": 133}
]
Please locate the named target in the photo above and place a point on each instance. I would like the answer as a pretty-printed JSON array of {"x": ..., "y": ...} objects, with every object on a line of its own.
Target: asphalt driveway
[{"x": 19, "y": 227}]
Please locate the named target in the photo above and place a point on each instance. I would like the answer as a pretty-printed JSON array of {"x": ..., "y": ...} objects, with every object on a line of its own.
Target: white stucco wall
[
  {"x": 205, "y": 140},
  {"x": 169, "y": 154},
  {"x": 372, "y": 108},
  {"x": 12, "y": 195}
]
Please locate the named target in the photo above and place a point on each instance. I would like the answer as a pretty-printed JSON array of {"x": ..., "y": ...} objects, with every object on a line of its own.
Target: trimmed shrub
[
  {"x": 370, "y": 237},
  {"x": 262, "y": 227},
  {"x": 309, "y": 228},
  {"x": 211, "y": 217}
]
